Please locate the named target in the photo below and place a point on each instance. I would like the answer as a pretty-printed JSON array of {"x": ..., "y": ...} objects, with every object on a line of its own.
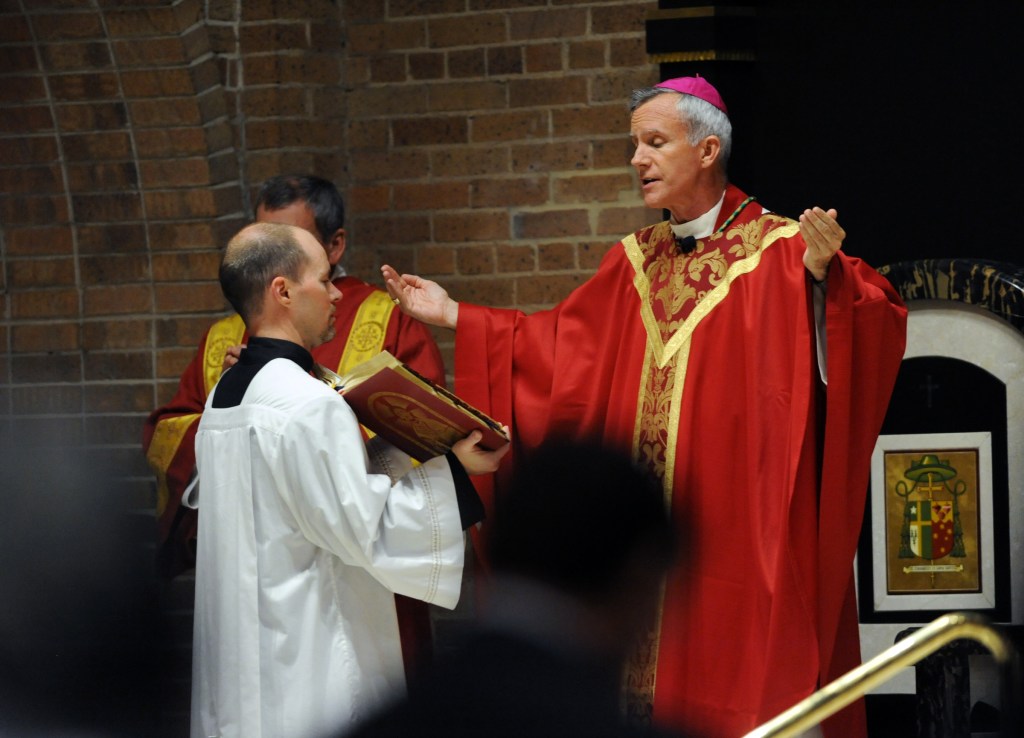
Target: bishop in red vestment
[{"x": 748, "y": 362}]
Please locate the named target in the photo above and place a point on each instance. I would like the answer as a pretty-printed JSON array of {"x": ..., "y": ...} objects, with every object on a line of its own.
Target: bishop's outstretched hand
[{"x": 423, "y": 299}]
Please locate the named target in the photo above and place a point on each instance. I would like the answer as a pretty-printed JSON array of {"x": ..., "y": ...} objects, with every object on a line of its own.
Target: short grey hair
[
  {"x": 702, "y": 119},
  {"x": 253, "y": 259}
]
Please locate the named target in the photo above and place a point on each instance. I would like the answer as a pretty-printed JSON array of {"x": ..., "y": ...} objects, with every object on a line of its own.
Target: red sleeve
[
  {"x": 866, "y": 325},
  {"x": 483, "y": 377},
  {"x": 484, "y": 345},
  {"x": 547, "y": 374}
]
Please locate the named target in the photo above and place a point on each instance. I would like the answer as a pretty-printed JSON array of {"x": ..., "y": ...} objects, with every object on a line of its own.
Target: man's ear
[
  {"x": 279, "y": 290},
  {"x": 335, "y": 247},
  {"x": 712, "y": 148}
]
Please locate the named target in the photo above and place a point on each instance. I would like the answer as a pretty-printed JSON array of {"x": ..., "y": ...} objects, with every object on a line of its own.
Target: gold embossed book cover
[{"x": 409, "y": 410}]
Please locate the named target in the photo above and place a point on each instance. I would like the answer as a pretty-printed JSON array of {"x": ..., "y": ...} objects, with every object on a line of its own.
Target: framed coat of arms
[
  {"x": 932, "y": 522},
  {"x": 943, "y": 528}
]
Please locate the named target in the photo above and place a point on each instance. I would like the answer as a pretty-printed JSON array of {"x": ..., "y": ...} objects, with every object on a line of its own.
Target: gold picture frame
[{"x": 931, "y": 522}]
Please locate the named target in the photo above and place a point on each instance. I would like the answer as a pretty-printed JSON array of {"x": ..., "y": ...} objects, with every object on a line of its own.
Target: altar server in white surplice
[{"x": 306, "y": 530}]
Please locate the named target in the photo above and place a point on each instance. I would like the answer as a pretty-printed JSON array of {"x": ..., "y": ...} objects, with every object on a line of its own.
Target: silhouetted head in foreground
[
  {"x": 579, "y": 546},
  {"x": 585, "y": 521}
]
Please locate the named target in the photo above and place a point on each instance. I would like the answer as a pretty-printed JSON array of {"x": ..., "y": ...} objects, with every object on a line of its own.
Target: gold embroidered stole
[
  {"x": 366, "y": 339},
  {"x": 676, "y": 293},
  {"x": 169, "y": 432},
  {"x": 224, "y": 334}
]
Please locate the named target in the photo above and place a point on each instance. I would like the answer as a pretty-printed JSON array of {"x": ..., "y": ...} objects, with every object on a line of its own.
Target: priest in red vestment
[{"x": 748, "y": 362}]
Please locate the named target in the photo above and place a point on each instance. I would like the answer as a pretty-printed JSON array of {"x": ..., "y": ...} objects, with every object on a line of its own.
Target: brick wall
[
  {"x": 481, "y": 143},
  {"x": 488, "y": 147},
  {"x": 133, "y": 136}
]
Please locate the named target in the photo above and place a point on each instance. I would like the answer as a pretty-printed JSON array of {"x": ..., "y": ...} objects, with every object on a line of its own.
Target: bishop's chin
[{"x": 648, "y": 189}]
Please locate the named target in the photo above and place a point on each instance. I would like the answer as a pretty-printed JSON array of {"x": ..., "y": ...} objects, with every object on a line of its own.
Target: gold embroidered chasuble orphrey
[{"x": 676, "y": 293}]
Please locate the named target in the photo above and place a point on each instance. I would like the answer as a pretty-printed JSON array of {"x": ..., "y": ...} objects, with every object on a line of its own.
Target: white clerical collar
[{"x": 702, "y": 226}]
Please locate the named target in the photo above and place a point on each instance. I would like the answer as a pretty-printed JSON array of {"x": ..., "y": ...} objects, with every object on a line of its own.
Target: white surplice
[{"x": 304, "y": 534}]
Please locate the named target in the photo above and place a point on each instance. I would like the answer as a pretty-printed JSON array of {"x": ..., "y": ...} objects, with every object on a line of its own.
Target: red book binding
[{"x": 407, "y": 409}]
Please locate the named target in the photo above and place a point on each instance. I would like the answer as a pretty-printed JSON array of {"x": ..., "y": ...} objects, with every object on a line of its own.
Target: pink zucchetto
[{"x": 696, "y": 86}]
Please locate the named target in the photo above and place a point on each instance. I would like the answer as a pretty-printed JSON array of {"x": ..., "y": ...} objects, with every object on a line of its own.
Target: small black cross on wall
[{"x": 928, "y": 388}]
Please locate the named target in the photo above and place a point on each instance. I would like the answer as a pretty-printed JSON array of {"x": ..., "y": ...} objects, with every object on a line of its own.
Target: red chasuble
[
  {"x": 704, "y": 365},
  {"x": 362, "y": 328}
]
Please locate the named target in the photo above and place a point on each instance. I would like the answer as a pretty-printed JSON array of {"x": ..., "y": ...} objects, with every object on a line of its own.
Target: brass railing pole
[{"x": 836, "y": 695}]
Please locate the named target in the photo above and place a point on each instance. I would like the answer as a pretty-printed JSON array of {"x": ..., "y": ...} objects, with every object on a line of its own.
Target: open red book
[{"x": 409, "y": 410}]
